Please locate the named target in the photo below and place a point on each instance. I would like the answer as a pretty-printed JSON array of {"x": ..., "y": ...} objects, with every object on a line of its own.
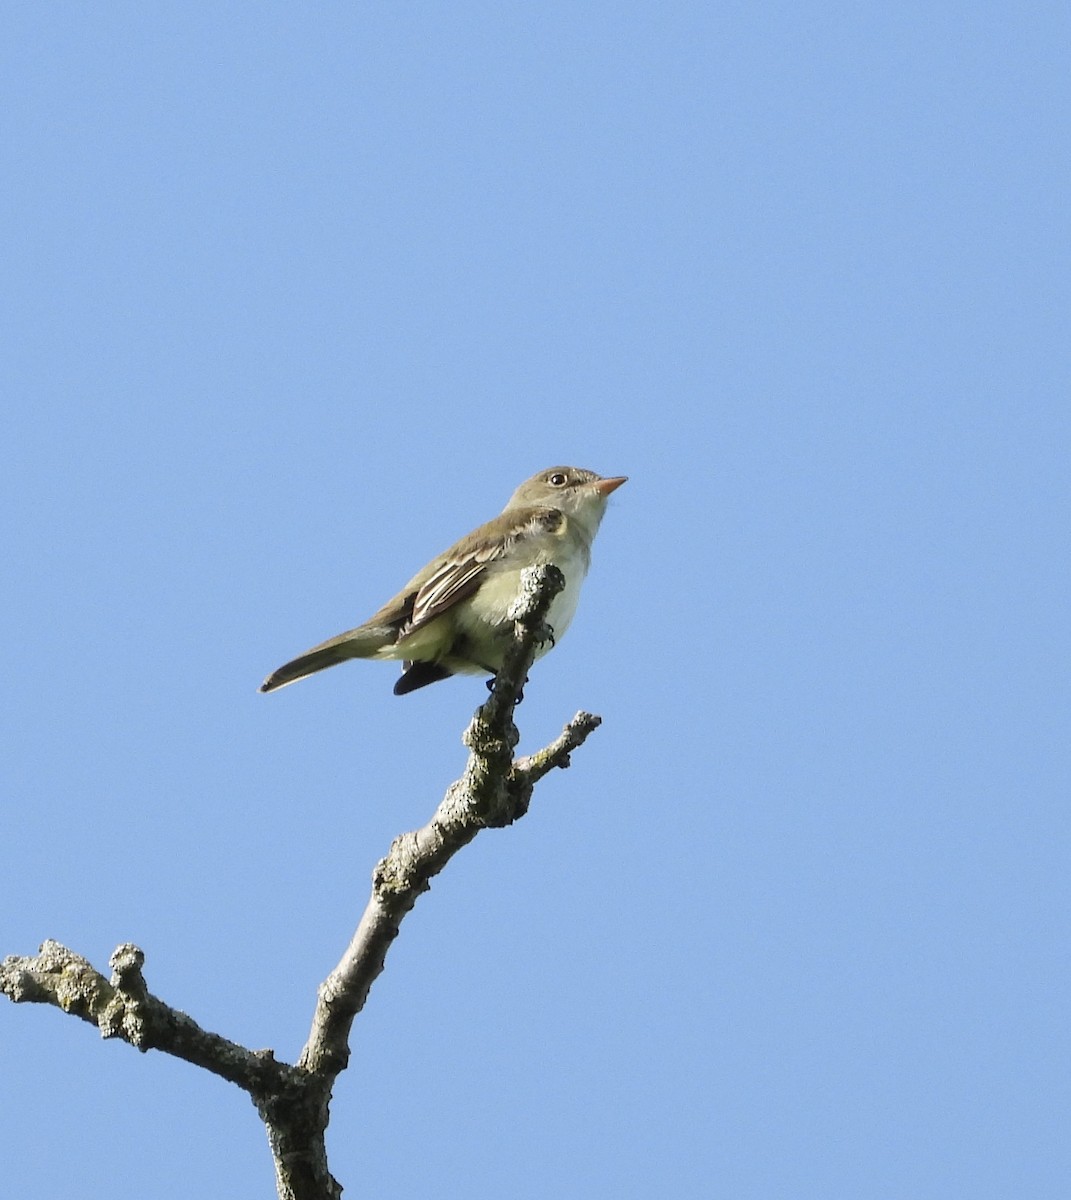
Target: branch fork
[{"x": 494, "y": 790}]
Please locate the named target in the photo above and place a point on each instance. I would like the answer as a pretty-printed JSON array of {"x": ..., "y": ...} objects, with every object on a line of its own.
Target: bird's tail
[{"x": 363, "y": 642}]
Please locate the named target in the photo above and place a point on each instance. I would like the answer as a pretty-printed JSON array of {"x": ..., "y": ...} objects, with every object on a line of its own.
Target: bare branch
[
  {"x": 293, "y": 1101},
  {"x": 123, "y": 1008},
  {"x": 528, "y": 771}
]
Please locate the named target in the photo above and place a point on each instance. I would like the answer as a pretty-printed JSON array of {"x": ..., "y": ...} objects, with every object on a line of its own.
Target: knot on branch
[
  {"x": 490, "y": 739},
  {"x": 127, "y": 1013},
  {"x": 398, "y": 872},
  {"x": 126, "y": 963}
]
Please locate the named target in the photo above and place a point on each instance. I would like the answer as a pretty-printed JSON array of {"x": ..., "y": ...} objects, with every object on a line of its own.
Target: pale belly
[{"x": 491, "y": 604}]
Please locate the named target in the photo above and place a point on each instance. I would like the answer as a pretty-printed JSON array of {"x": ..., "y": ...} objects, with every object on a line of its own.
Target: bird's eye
[{"x": 558, "y": 479}]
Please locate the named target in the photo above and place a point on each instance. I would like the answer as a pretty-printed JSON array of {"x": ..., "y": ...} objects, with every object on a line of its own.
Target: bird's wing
[{"x": 458, "y": 573}]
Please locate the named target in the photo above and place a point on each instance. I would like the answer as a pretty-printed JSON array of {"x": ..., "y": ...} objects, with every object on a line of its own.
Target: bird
[{"x": 452, "y": 618}]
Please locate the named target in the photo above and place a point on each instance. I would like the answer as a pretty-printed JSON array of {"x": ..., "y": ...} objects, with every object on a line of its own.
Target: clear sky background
[{"x": 293, "y": 296}]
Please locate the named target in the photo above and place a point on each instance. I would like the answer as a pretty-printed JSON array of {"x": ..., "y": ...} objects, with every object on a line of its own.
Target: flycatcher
[{"x": 451, "y": 618}]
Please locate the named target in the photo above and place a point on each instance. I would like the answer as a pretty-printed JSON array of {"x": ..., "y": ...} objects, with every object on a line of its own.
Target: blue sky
[{"x": 292, "y": 299}]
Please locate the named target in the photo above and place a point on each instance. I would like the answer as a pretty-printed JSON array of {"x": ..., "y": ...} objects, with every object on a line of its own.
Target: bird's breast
[{"x": 491, "y": 604}]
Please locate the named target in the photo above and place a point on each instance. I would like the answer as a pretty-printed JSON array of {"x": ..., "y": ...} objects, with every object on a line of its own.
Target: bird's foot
[{"x": 490, "y": 684}]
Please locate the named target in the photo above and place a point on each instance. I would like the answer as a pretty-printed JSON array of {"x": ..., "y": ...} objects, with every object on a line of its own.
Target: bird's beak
[{"x": 605, "y": 486}]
